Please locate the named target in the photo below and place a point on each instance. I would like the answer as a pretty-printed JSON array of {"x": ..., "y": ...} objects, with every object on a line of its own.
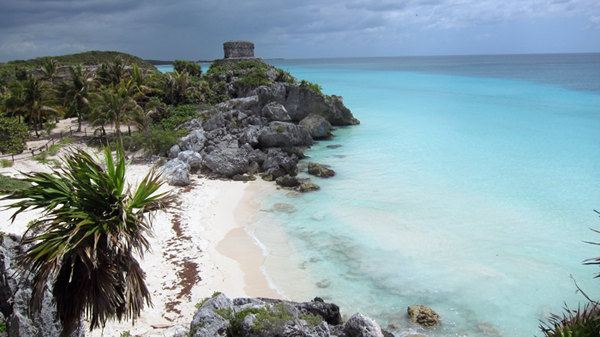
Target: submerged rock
[
  {"x": 423, "y": 315},
  {"x": 309, "y": 186},
  {"x": 319, "y": 170}
]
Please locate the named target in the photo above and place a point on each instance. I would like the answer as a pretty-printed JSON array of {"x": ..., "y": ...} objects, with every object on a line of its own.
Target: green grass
[
  {"x": 8, "y": 184},
  {"x": 6, "y": 163},
  {"x": 66, "y": 140},
  {"x": 53, "y": 149}
]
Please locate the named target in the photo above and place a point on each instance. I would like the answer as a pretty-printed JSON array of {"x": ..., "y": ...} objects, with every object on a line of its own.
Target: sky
[{"x": 196, "y": 29}]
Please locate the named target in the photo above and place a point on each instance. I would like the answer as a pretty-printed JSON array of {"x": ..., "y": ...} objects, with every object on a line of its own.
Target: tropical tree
[
  {"x": 49, "y": 68},
  {"x": 33, "y": 100},
  {"x": 78, "y": 89},
  {"x": 176, "y": 87},
  {"x": 13, "y": 135},
  {"x": 116, "y": 107},
  {"x": 85, "y": 244},
  {"x": 112, "y": 72}
]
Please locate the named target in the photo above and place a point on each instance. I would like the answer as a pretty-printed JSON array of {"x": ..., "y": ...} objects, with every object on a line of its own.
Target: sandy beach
[{"x": 199, "y": 247}]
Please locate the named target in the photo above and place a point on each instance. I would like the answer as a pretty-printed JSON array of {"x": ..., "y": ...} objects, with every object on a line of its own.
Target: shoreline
[{"x": 199, "y": 247}]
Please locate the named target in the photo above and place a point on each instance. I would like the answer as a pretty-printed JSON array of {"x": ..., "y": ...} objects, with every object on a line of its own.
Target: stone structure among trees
[{"x": 237, "y": 51}]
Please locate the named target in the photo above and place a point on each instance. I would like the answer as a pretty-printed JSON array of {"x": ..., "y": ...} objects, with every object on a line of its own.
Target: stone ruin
[{"x": 237, "y": 51}]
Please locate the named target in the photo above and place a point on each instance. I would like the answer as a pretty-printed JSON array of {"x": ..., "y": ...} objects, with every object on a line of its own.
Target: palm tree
[
  {"x": 78, "y": 89},
  {"x": 33, "y": 99},
  {"x": 49, "y": 69},
  {"x": 112, "y": 72},
  {"x": 84, "y": 246},
  {"x": 116, "y": 107}
]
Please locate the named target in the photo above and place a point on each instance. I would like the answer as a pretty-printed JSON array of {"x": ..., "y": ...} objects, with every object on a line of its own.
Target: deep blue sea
[{"x": 469, "y": 186}]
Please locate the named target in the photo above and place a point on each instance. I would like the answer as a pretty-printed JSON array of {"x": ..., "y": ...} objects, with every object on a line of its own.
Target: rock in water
[
  {"x": 423, "y": 315},
  {"x": 319, "y": 170},
  {"x": 287, "y": 181},
  {"x": 309, "y": 186},
  {"x": 317, "y": 126},
  {"x": 360, "y": 325}
]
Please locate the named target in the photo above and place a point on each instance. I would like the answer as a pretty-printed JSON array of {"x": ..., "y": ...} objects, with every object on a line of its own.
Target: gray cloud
[{"x": 192, "y": 29}]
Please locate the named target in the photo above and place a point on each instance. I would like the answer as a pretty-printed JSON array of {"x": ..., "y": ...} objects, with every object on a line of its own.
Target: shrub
[
  {"x": 254, "y": 78},
  {"x": 312, "y": 86},
  {"x": 156, "y": 141},
  {"x": 49, "y": 127},
  {"x": 280, "y": 128},
  {"x": 574, "y": 323},
  {"x": 2, "y": 327},
  {"x": 8, "y": 184},
  {"x": 6, "y": 163},
  {"x": 179, "y": 115},
  {"x": 41, "y": 157}
]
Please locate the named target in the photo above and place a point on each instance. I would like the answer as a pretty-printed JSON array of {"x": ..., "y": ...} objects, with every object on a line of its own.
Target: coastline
[{"x": 199, "y": 247}]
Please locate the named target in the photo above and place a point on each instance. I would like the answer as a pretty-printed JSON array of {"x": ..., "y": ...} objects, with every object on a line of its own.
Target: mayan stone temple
[{"x": 237, "y": 51}]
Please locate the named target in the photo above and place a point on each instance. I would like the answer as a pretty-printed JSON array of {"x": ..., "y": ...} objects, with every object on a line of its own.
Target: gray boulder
[
  {"x": 174, "y": 151},
  {"x": 193, "y": 159},
  {"x": 215, "y": 122},
  {"x": 276, "y": 92},
  {"x": 360, "y": 325},
  {"x": 208, "y": 323},
  {"x": 301, "y": 101},
  {"x": 250, "y": 135},
  {"x": 177, "y": 172},
  {"x": 281, "y": 134},
  {"x": 278, "y": 161},
  {"x": 317, "y": 126},
  {"x": 287, "y": 181},
  {"x": 250, "y": 103},
  {"x": 15, "y": 297},
  {"x": 227, "y": 161},
  {"x": 275, "y": 112},
  {"x": 194, "y": 141}
]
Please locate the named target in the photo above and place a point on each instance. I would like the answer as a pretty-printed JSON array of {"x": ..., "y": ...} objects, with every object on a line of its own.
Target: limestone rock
[
  {"x": 208, "y": 323},
  {"x": 281, "y": 134},
  {"x": 317, "y": 126},
  {"x": 174, "y": 151},
  {"x": 309, "y": 186},
  {"x": 177, "y": 172},
  {"x": 227, "y": 162},
  {"x": 193, "y": 159},
  {"x": 275, "y": 112},
  {"x": 194, "y": 141},
  {"x": 287, "y": 181},
  {"x": 423, "y": 315},
  {"x": 279, "y": 163},
  {"x": 319, "y": 170},
  {"x": 360, "y": 325}
]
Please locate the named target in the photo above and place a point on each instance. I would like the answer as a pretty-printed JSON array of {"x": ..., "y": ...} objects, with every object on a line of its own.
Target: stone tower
[{"x": 237, "y": 51}]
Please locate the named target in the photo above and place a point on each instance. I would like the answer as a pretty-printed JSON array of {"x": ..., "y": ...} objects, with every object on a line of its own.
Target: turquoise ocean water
[{"x": 469, "y": 186}]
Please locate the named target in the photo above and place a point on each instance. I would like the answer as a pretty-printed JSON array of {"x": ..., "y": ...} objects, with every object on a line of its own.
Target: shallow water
[{"x": 468, "y": 193}]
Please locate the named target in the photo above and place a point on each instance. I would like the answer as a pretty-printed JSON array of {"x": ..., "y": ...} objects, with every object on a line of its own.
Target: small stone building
[{"x": 237, "y": 51}]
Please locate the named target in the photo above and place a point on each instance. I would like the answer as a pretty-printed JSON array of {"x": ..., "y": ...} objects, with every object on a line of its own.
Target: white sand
[{"x": 197, "y": 249}]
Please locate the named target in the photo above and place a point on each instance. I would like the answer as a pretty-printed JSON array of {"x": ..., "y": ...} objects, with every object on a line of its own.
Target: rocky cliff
[{"x": 264, "y": 129}]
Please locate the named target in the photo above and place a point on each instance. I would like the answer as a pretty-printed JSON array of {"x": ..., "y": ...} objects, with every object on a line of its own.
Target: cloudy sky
[{"x": 196, "y": 29}]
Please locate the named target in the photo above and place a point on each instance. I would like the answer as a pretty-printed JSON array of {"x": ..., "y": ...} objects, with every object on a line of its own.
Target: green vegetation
[
  {"x": 6, "y": 163},
  {"x": 312, "y": 86},
  {"x": 201, "y": 303},
  {"x": 272, "y": 318},
  {"x": 94, "y": 225},
  {"x": 179, "y": 115},
  {"x": 191, "y": 68},
  {"x": 8, "y": 184},
  {"x": 66, "y": 140},
  {"x": 13, "y": 135},
  {"x": 125, "y": 334},
  {"x": 2, "y": 327},
  {"x": 156, "y": 141},
  {"x": 280, "y": 128}
]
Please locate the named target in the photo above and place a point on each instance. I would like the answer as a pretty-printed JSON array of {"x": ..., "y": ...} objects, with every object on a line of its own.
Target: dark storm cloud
[{"x": 194, "y": 29}]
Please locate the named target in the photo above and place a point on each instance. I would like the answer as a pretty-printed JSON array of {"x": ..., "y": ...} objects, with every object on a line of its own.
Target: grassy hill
[{"x": 7, "y": 70}]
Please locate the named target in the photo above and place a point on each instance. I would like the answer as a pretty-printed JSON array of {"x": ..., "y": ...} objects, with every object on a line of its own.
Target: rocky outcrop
[
  {"x": 317, "y": 126},
  {"x": 423, "y": 315},
  {"x": 254, "y": 317},
  {"x": 319, "y": 170},
  {"x": 264, "y": 130},
  {"x": 15, "y": 296}
]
